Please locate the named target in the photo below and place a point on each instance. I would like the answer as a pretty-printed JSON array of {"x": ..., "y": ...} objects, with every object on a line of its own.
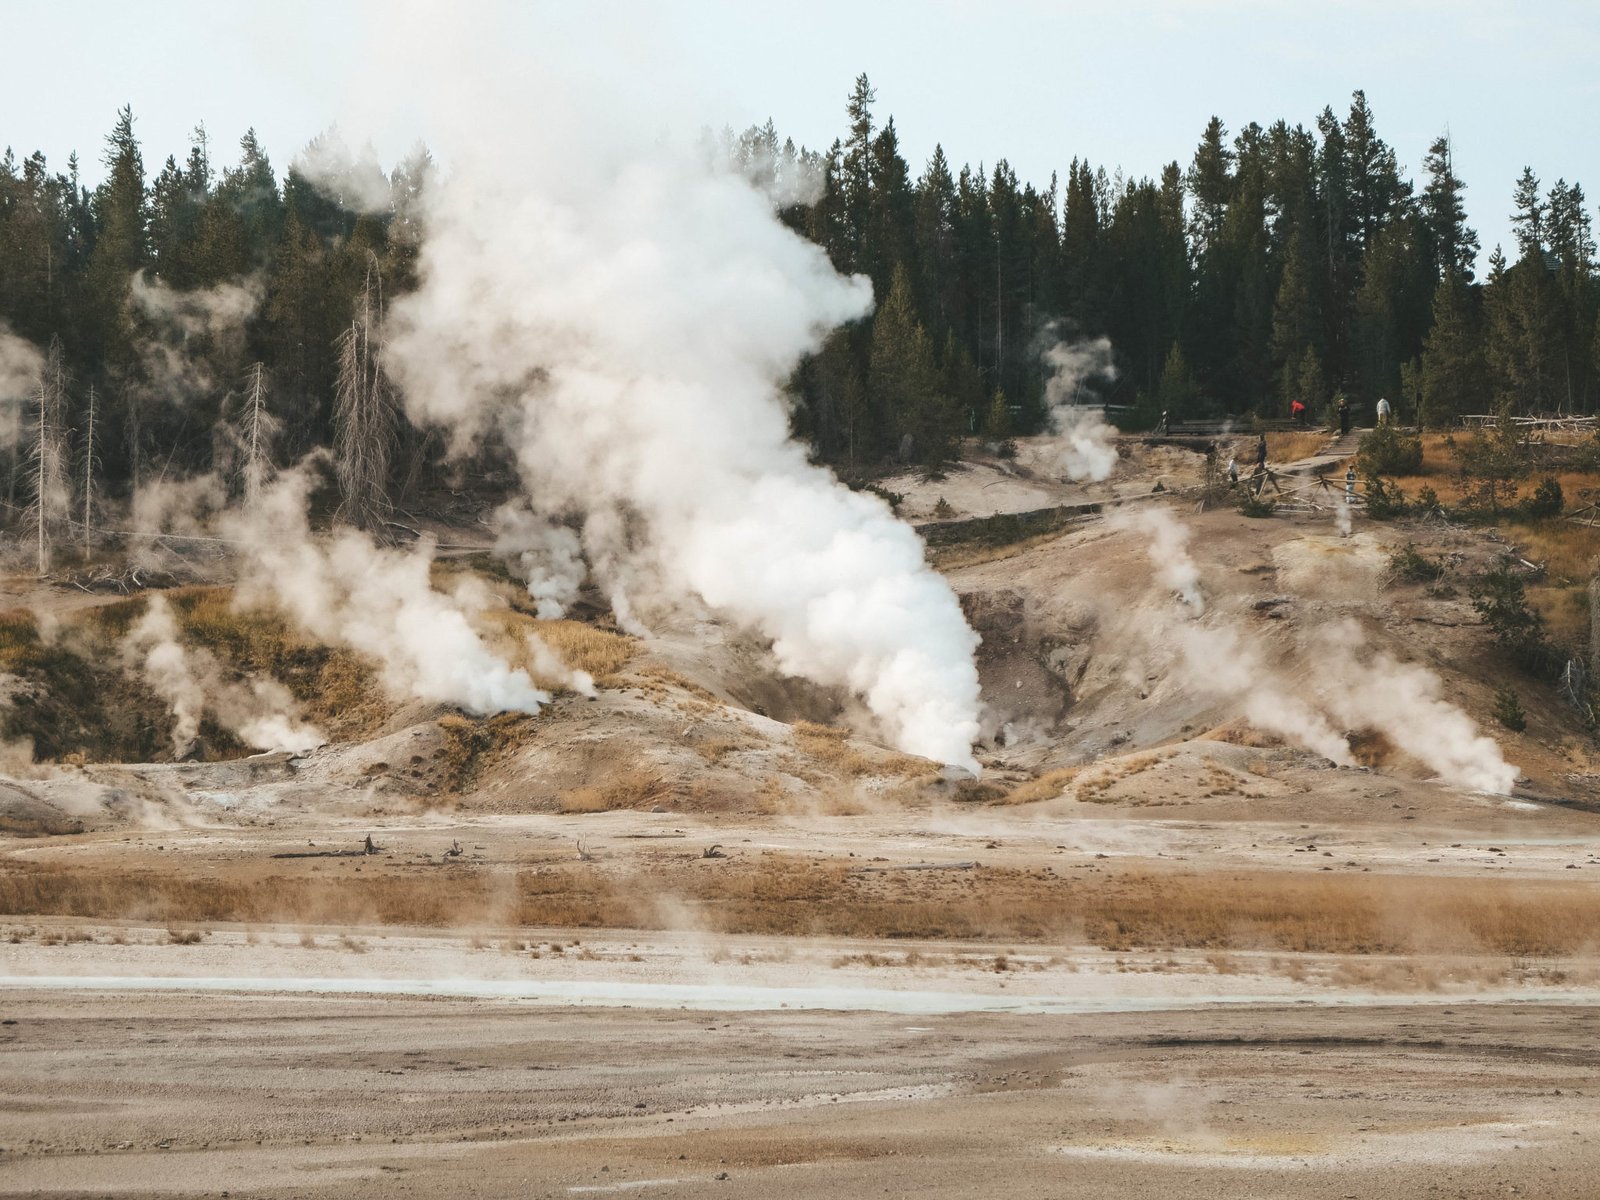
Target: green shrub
[
  {"x": 893, "y": 499},
  {"x": 1490, "y": 463},
  {"x": 1508, "y": 710},
  {"x": 1389, "y": 451},
  {"x": 1547, "y": 500},
  {"x": 1257, "y": 506},
  {"x": 1501, "y": 599},
  {"x": 1409, "y": 564},
  {"x": 1385, "y": 501}
]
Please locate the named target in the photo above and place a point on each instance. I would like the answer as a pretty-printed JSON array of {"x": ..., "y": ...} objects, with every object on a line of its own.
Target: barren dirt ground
[
  {"x": 704, "y": 935},
  {"x": 131, "y": 1094}
]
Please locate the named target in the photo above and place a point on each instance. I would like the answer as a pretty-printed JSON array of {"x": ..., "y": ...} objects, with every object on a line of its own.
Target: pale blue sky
[{"x": 1129, "y": 84}]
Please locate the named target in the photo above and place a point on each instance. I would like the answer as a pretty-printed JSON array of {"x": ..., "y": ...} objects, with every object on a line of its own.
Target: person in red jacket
[{"x": 1297, "y": 410}]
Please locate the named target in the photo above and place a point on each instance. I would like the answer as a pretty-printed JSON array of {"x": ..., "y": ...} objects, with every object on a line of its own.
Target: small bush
[
  {"x": 1409, "y": 564},
  {"x": 1385, "y": 501},
  {"x": 1500, "y": 598},
  {"x": 1508, "y": 710},
  {"x": 1256, "y": 506},
  {"x": 1490, "y": 463},
  {"x": 1546, "y": 501},
  {"x": 893, "y": 499},
  {"x": 943, "y": 509},
  {"x": 1389, "y": 451}
]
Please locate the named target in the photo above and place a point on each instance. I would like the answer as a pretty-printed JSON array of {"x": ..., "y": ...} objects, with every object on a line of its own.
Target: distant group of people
[{"x": 1301, "y": 415}]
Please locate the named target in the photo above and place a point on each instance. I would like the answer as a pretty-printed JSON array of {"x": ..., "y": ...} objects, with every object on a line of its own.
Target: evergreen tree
[
  {"x": 1521, "y": 333},
  {"x": 1452, "y": 371},
  {"x": 904, "y": 388},
  {"x": 1177, "y": 394},
  {"x": 120, "y": 248},
  {"x": 1453, "y": 244},
  {"x": 856, "y": 170},
  {"x": 939, "y": 295},
  {"x": 1296, "y": 322},
  {"x": 1528, "y": 219},
  {"x": 1210, "y": 183}
]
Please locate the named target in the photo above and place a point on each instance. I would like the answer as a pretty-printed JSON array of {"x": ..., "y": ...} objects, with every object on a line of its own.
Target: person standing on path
[
  {"x": 1344, "y": 417},
  {"x": 1384, "y": 411}
]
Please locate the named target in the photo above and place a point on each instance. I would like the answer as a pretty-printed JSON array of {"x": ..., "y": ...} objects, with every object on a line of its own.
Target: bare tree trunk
[
  {"x": 1594, "y": 627},
  {"x": 51, "y": 495},
  {"x": 365, "y": 422},
  {"x": 259, "y": 434},
  {"x": 87, "y": 467}
]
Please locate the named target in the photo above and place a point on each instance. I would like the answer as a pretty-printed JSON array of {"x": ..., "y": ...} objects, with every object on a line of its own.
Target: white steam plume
[
  {"x": 1169, "y": 552},
  {"x": 1341, "y": 517},
  {"x": 195, "y": 313},
  {"x": 1082, "y": 447},
  {"x": 1341, "y": 682},
  {"x": 260, "y": 712},
  {"x": 174, "y": 322},
  {"x": 355, "y": 182},
  {"x": 641, "y": 308},
  {"x": 21, "y": 365},
  {"x": 1403, "y": 702},
  {"x": 346, "y": 591},
  {"x": 549, "y": 556}
]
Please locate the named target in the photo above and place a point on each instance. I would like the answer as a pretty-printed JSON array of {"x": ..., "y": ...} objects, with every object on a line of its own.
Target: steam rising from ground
[
  {"x": 549, "y": 557},
  {"x": 1341, "y": 685},
  {"x": 260, "y": 711},
  {"x": 347, "y": 591},
  {"x": 1169, "y": 553},
  {"x": 640, "y": 313},
  {"x": 21, "y": 365},
  {"x": 1083, "y": 449},
  {"x": 175, "y": 320}
]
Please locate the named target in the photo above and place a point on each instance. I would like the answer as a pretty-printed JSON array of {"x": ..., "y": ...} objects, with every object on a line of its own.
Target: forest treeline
[{"x": 1272, "y": 263}]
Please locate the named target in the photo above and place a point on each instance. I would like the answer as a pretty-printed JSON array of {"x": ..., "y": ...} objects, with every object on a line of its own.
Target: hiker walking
[
  {"x": 1344, "y": 416},
  {"x": 1233, "y": 472},
  {"x": 1297, "y": 410},
  {"x": 1384, "y": 411},
  {"x": 1350, "y": 484},
  {"x": 1261, "y": 453}
]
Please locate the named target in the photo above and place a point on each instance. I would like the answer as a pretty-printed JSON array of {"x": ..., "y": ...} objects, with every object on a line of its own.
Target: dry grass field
[{"x": 781, "y": 895}]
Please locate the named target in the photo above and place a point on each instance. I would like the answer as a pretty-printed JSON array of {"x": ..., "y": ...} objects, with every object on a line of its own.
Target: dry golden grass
[
  {"x": 1048, "y": 786},
  {"x": 584, "y": 648},
  {"x": 630, "y": 789},
  {"x": 1242, "y": 733},
  {"x": 1292, "y": 447},
  {"x": 19, "y": 636},
  {"x": 829, "y": 746},
  {"x": 657, "y": 679},
  {"x": 1089, "y": 783},
  {"x": 598, "y": 652},
  {"x": 972, "y": 554},
  {"x": 715, "y": 749},
  {"x": 785, "y": 895},
  {"x": 472, "y": 743},
  {"x": 336, "y": 688}
]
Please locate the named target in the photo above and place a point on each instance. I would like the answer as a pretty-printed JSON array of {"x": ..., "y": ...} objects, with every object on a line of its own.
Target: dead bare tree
[
  {"x": 256, "y": 433},
  {"x": 88, "y": 460},
  {"x": 365, "y": 421},
  {"x": 48, "y": 454}
]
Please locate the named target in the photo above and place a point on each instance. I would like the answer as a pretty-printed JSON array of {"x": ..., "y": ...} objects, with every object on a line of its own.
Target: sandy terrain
[
  {"x": 138, "y": 1095},
  {"x": 705, "y": 924}
]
